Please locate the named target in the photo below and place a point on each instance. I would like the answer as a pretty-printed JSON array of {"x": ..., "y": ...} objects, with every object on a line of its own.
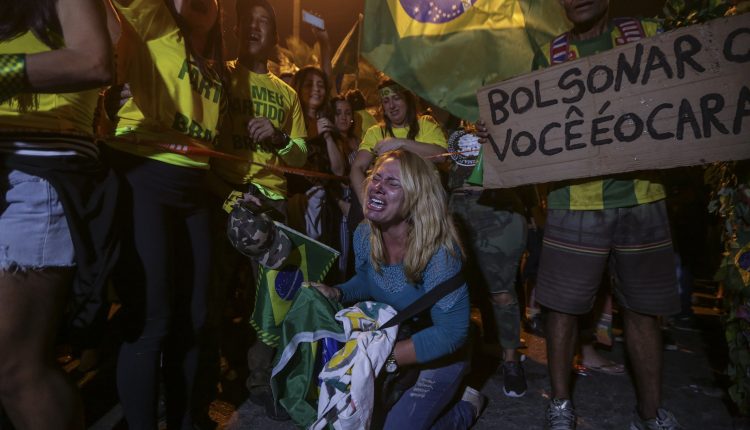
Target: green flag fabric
[
  {"x": 310, "y": 260},
  {"x": 346, "y": 58},
  {"x": 309, "y": 336},
  {"x": 445, "y": 50}
]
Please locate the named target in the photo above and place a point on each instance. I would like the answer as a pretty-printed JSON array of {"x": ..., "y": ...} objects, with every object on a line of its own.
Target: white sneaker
[{"x": 477, "y": 400}]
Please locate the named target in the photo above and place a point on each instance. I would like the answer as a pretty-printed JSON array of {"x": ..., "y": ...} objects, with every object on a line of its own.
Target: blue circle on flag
[
  {"x": 435, "y": 11},
  {"x": 288, "y": 281}
]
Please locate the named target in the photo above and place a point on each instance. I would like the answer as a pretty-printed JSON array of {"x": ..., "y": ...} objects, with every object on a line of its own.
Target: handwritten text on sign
[{"x": 676, "y": 99}]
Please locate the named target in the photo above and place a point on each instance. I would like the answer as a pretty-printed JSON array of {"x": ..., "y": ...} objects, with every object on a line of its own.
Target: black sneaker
[
  {"x": 514, "y": 379},
  {"x": 664, "y": 421},
  {"x": 560, "y": 415}
]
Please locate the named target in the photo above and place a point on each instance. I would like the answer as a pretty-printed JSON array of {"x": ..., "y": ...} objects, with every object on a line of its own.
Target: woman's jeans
[{"x": 431, "y": 402}]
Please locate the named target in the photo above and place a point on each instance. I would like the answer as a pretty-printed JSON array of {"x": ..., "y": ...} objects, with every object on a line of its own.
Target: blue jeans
[{"x": 429, "y": 403}]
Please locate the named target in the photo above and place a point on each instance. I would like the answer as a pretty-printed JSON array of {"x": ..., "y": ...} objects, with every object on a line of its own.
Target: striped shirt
[{"x": 625, "y": 190}]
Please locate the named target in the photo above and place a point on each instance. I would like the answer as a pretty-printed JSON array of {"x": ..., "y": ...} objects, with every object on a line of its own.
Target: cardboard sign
[{"x": 676, "y": 99}]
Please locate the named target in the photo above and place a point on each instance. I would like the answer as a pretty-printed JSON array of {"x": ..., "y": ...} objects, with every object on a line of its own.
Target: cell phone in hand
[{"x": 313, "y": 20}]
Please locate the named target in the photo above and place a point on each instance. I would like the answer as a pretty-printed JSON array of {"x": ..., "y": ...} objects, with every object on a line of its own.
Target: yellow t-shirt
[
  {"x": 363, "y": 120},
  {"x": 172, "y": 100},
  {"x": 429, "y": 132},
  {"x": 260, "y": 95},
  {"x": 68, "y": 113}
]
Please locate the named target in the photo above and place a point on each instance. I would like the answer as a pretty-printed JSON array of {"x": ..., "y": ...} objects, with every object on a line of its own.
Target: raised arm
[
  {"x": 325, "y": 56},
  {"x": 86, "y": 59},
  {"x": 359, "y": 171}
]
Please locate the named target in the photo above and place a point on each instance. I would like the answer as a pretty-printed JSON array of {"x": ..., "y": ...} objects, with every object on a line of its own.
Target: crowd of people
[{"x": 119, "y": 172}]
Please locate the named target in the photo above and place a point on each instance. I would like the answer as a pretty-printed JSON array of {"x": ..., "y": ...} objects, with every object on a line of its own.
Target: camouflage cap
[{"x": 256, "y": 236}]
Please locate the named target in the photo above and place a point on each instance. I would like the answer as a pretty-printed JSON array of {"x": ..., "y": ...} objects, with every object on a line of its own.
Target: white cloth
[{"x": 347, "y": 391}]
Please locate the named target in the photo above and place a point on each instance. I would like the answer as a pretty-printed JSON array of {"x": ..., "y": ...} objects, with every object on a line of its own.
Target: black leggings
[{"x": 162, "y": 279}]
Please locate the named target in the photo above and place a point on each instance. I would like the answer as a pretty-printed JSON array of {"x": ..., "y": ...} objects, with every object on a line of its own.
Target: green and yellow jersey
[
  {"x": 604, "y": 192},
  {"x": 173, "y": 101},
  {"x": 52, "y": 115},
  {"x": 260, "y": 95}
]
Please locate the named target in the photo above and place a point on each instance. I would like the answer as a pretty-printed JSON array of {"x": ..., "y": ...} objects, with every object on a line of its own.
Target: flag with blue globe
[{"x": 309, "y": 261}]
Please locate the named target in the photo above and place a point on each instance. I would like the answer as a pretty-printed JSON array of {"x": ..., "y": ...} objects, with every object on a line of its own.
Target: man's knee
[{"x": 504, "y": 299}]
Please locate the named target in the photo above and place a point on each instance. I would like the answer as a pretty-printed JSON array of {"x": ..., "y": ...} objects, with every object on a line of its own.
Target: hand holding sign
[{"x": 676, "y": 99}]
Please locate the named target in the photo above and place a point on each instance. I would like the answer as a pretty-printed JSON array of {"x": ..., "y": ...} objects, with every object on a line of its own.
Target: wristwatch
[
  {"x": 390, "y": 364},
  {"x": 281, "y": 139}
]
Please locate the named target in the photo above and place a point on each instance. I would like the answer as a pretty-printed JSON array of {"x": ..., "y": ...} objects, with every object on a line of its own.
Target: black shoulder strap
[{"x": 427, "y": 300}]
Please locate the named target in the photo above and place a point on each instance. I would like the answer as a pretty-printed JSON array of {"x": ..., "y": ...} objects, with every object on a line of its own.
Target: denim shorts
[{"x": 33, "y": 230}]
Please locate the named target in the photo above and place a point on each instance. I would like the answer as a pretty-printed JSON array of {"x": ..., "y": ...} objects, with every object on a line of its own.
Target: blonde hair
[{"x": 425, "y": 209}]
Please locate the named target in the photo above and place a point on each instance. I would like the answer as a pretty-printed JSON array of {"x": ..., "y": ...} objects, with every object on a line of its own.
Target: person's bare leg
[
  {"x": 33, "y": 388},
  {"x": 561, "y": 333},
  {"x": 644, "y": 346}
]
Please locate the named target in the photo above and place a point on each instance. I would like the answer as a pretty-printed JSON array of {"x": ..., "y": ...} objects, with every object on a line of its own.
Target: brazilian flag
[
  {"x": 309, "y": 261},
  {"x": 445, "y": 50}
]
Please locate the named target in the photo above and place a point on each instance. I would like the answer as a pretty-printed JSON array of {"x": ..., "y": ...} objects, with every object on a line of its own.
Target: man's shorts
[{"x": 578, "y": 244}]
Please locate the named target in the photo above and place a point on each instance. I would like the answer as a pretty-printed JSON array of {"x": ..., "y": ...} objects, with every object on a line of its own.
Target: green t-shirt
[
  {"x": 617, "y": 191},
  {"x": 173, "y": 102},
  {"x": 262, "y": 95}
]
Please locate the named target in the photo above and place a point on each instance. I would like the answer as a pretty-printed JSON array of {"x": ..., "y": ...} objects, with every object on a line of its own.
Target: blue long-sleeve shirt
[{"x": 450, "y": 315}]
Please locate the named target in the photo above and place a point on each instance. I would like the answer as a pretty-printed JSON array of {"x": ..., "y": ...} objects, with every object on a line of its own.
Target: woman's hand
[
  {"x": 324, "y": 125},
  {"x": 330, "y": 293}
]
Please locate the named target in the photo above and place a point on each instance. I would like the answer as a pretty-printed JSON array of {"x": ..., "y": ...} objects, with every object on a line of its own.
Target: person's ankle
[{"x": 646, "y": 414}]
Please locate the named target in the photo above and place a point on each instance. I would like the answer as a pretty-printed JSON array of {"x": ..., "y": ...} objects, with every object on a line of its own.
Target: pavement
[
  {"x": 694, "y": 387},
  {"x": 692, "y": 390}
]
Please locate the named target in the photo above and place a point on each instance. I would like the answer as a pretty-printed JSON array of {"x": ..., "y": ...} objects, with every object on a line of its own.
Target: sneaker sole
[{"x": 513, "y": 394}]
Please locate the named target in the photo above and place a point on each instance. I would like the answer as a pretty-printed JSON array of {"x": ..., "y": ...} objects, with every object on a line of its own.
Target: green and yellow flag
[
  {"x": 310, "y": 260},
  {"x": 444, "y": 50},
  {"x": 346, "y": 58}
]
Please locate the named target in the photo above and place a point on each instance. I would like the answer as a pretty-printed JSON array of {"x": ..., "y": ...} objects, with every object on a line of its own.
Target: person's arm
[
  {"x": 430, "y": 141},
  {"x": 359, "y": 172},
  {"x": 404, "y": 352},
  {"x": 294, "y": 154},
  {"x": 325, "y": 55},
  {"x": 335, "y": 157},
  {"x": 450, "y": 315},
  {"x": 356, "y": 288},
  {"x": 422, "y": 149},
  {"x": 86, "y": 59}
]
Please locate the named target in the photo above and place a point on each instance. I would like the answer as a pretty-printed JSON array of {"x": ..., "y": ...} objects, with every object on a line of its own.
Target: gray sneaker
[
  {"x": 664, "y": 421},
  {"x": 560, "y": 415}
]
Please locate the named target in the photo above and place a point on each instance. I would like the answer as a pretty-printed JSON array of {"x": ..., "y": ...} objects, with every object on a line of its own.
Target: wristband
[{"x": 13, "y": 78}]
